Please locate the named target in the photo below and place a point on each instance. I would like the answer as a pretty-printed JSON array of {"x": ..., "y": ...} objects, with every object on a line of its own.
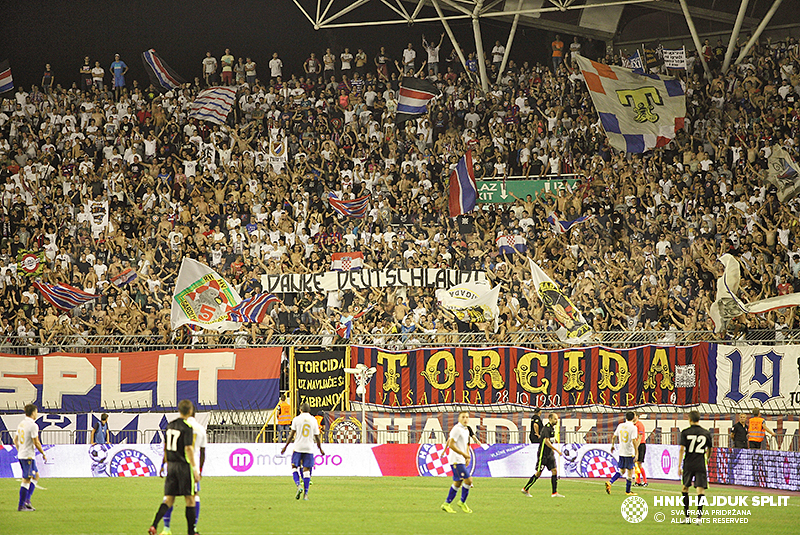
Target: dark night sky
[{"x": 35, "y": 32}]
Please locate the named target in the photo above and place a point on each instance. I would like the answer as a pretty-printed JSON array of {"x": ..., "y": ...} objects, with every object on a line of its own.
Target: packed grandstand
[{"x": 177, "y": 187}]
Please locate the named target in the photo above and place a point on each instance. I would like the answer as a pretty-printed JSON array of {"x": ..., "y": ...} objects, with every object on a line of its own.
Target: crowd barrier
[{"x": 775, "y": 470}]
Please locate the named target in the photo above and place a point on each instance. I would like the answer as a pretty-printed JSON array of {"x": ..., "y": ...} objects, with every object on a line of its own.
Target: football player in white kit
[
  {"x": 306, "y": 429},
  {"x": 628, "y": 436},
  {"x": 459, "y": 458},
  {"x": 27, "y": 442}
]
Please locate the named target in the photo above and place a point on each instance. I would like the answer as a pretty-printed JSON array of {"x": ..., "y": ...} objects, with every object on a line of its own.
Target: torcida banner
[{"x": 646, "y": 375}]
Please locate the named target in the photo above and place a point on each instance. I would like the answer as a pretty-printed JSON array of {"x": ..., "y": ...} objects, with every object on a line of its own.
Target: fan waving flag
[
  {"x": 784, "y": 173},
  {"x": 161, "y": 75},
  {"x": 213, "y": 105},
  {"x": 639, "y": 111},
  {"x": 560, "y": 227},
  {"x": 413, "y": 98},
  {"x": 6, "y": 81},
  {"x": 354, "y": 208},
  {"x": 62, "y": 296},
  {"x": 253, "y": 309},
  {"x": 463, "y": 188}
]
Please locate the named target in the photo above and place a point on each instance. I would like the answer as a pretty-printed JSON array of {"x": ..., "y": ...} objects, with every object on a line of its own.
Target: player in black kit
[
  {"x": 692, "y": 458},
  {"x": 547, "y": 458},
  {"x": 181, "y": 470}
]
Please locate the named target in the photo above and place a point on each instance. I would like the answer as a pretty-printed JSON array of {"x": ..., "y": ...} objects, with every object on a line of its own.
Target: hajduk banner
[
  {"x": 203, "y": 298},
  {"x": 320, "y": 378},
  {"x": 471, "y": 302},
  {"x": 222, "y": 378},
  {"x": 744, "y": 377},
  {"x": 368, "y": 278},
  {"x": 620, "y": 378}
]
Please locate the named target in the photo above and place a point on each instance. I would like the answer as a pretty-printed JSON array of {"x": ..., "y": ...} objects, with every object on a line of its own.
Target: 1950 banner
[
  {"x": 223, "y": 378},
  {"x": 644, "y": 375}
]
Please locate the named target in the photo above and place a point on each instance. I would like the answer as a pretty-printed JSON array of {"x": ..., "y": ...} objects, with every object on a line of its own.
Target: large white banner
[
  {"x": 755, "y": 376},
  {"x": 368, "y": 278}
]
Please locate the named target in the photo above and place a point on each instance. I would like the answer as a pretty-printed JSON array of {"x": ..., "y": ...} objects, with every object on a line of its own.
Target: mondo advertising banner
[
  {"x": 755, "y": 376},
  {"x": 663, "y": 375},
  {"x": 319, "y": 377},
  {"x": 223, "y": 378},
  {"x": 369, "y": 460}
]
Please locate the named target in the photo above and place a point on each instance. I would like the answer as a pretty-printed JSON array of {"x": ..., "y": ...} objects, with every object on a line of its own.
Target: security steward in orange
[
  {"x": 756, "y": 430},
  {"x": 284, "y": 416}
]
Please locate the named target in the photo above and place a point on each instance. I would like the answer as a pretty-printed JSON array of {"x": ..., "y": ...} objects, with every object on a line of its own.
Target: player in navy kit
[
  {"x": 692, "y": 460},
  {"x": 182, "y": 471}
]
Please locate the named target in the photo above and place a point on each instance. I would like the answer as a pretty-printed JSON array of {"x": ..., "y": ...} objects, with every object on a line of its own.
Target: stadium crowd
[{"x": 178, "y": 187}]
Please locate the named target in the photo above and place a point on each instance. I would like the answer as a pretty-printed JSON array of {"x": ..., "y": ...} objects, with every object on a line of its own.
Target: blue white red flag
[
  {"x": 213, "y": 104},
  {"x": 124, "y": 277},
  {"x": 62, "y": 296},
  {"x": 347, "y": 261},
  {"x": 463, "y": 188},
  {"x": 6, "y": 81},
  {"x": 413, "y": 98},
  {"x": 560, "y": 227},
  {"x": 253, "y": 309},
  {"x": 511, "y": 243},
  {"x": 161, "y": 75},
  {"x": 354, "y": 208}
]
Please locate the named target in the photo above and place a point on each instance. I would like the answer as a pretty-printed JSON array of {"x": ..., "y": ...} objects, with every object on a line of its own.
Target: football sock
[
  {"x": 167, "y": 517},
  {"x": 615, "y": 477},
  {"x": 190, "y": 519},
  {"x": 296, "y": 477},
  {"x": 686, "y": 504},
  {"x": 628, "y": 485},
  {"x": 638, "y": 473},
  {"x": 452, "y": 494},
  {"x": 699, "y": 509},
  {"x": 464, "y": 492},
  {"x": 554, "y": 483},
  {"x": 306, "y": 482},
  {"x": 160, "y": 514},
  {"x": 531, "y": 481},
  {"x": 196, "y": 510},
  {"x": 31, "y": 488},
  {"x": 644, "y": 474},
  {"x": 23, "y": 493}
]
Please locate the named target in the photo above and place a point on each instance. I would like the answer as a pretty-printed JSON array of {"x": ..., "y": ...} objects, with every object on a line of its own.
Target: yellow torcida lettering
[
  {"x": 390, "y": 362},
  {"x": 606, "y": 375},
  {"x": 524, "y": 372},
  {"x": 574, "y": 373},
  {"x": 478, "y": 370},
  {"x": 431, "y": 372},
  {"x": 660, "y": 364}
]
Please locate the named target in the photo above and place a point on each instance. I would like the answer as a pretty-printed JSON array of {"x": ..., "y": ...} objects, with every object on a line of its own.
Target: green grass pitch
[{"x": 253, "y": 505}]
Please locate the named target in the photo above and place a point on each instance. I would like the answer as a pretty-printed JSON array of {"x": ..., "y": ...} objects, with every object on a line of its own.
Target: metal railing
[{"x": 544, "y": 339}]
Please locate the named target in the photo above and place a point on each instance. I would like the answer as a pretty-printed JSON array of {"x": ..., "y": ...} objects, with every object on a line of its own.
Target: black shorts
[
  {"x": 179, "y": 480},
  {"x": 641, "y": 452},
  {"x": 546, "y": 461},
  {"x": 754, "y": 445},
  {"x": 700, "y": 478},
  {"x": 740, "y": 445}
]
